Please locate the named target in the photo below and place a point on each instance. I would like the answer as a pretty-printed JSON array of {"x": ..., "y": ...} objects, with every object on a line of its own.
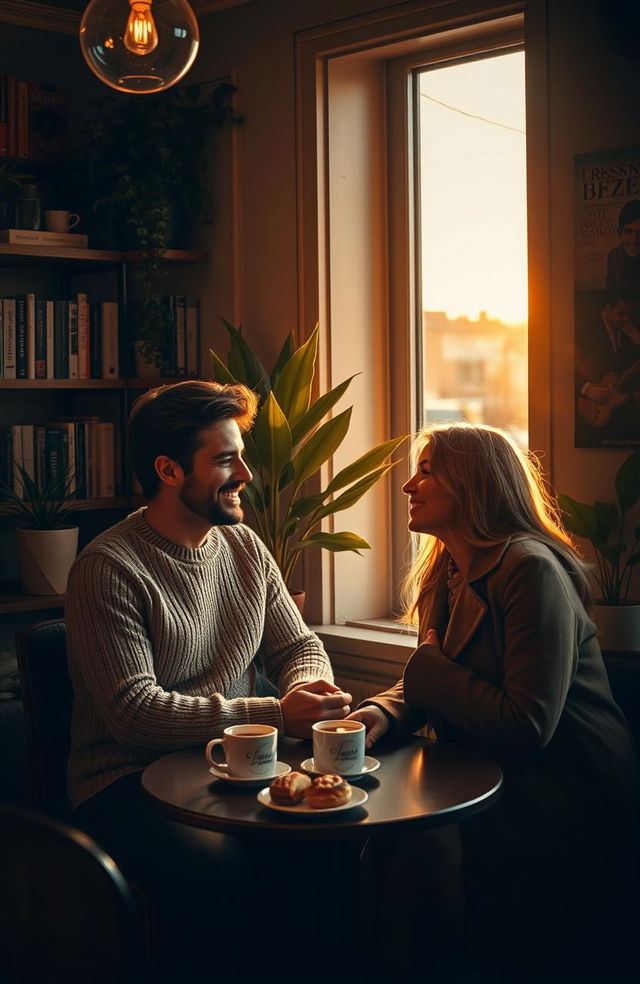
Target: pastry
[
  {"x": 327, "y": 791},
  {"x": 289, "y": 789}
]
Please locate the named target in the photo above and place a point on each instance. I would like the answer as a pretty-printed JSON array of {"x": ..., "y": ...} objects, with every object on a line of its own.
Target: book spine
[
  {"x": 28, "y": 450},
  {"x": 40, "y": 348},
  {"x": 95, "y": 341},
  {"x": 70, "y": 474},
  {"x": 72, "y": 312},
  {"x": 56, "y": 460},
  {"x": 180, "y": 314},
  {"x": 4, "y": 123},
  {"x": 61, "y": 328},
  {"x": 31, "y": 336},
  {"x": 105, "y": 456},
  {"x": 81, "y": 460},
  {"x": 12, "y": 114},
  {"x": 16, "y": 436},
  {"x": 23, "y": 118},
  {"x": 50, "y": 339},
  {"x": 9, "y": 342},
  {"x": 6, "y": 456},
  {"x": 109, "y": 310},
  {"x": 83, "y": 336},
  {"x": 34, "y": 237},
  {"x": 39, "y": 432},
  {"x": 21, "y": 337},
  {"x": 192, "y": 336}
]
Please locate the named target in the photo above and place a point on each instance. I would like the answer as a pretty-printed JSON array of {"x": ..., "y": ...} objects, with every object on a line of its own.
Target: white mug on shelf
[{"x": 57, "y": 220}]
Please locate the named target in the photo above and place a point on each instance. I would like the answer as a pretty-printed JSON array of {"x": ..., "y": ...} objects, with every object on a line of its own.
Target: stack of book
[
  {"x": 181, "y": 357},
  {"x": 36, "y": 237},
  {"x": 58, "y": 339},
  {"x": 77, "y": 450}
]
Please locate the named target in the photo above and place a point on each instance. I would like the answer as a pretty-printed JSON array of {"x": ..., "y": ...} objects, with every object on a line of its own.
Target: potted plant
[
  {"x": 11, "y": 178},
  {"x": 142, "y": 167},
  {"x": 617, "y": 553},
  {"x": 47, "y": 543},
  {"x": 289, "y": 444}
]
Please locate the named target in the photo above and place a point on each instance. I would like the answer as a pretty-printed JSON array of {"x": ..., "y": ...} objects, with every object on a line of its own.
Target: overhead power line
[{"x": 473, "y": 116}]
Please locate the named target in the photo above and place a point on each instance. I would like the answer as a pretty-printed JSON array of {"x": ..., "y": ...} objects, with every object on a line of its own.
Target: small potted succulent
[{"x": 47, "y": 541}]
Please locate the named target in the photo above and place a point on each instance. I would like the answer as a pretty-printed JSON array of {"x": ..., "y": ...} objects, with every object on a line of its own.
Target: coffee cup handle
[
  {"x": 74, "y": 218},
  {"x": 221, "y": 766}
]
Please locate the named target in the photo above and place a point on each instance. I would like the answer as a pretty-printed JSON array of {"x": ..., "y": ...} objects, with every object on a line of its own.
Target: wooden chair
[
  {"x": 66, "y": 911},
  {"x": 47, "y": 698}
]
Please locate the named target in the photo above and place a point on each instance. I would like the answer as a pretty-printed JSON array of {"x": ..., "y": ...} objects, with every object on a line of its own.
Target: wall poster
[{"x": 607, "y": 299}]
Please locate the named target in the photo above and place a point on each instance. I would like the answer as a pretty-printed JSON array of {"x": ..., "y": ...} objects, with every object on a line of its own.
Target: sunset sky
[{"x": 474, "y": 189}]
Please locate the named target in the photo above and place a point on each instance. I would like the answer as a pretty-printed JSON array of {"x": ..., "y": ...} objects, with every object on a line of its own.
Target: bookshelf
[{"x": 57, "y": 272}]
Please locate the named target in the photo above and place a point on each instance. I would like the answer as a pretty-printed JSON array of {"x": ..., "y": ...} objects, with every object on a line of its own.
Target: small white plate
[
  {"x": 281, "y": 770},
  {"x": 358, "y": 797},
  {"x": 370, "y": 765}
]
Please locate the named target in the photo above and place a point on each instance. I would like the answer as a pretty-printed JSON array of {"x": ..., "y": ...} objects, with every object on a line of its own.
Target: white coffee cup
[
  {"x": 338, "y": 746},
  {"x": 249, "y": 749},
  {"x": 57, "y": 220}
]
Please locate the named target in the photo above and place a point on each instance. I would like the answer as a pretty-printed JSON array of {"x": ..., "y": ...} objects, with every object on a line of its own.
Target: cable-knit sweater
[{"x": 162, "y": 641}]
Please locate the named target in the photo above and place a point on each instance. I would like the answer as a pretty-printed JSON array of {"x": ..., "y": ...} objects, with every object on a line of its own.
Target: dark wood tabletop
[{"x": 419, "y": 783}]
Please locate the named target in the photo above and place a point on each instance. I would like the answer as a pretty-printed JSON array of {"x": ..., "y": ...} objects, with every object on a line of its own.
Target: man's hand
[
  {"x": 307, "y": 703},
  {"x": 375, "y": 721}
]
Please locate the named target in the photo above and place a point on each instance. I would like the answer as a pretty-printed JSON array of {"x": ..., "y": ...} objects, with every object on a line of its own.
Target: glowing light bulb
[
  {"x": 150, "y": 51},
  {"x": 140, "y": 36}
]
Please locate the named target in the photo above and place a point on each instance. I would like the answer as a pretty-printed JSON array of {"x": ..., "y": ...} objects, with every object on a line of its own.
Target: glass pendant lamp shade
[{"x": 139, "y": 45}]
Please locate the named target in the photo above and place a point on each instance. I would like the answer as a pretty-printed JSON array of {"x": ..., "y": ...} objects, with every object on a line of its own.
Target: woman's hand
[{"x": 375, "y": 721}]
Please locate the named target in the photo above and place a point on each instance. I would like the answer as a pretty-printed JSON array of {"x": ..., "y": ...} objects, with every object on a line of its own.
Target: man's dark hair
[
  {"x": 629, "y": 212},
  {"x": 170, "y": 419}
]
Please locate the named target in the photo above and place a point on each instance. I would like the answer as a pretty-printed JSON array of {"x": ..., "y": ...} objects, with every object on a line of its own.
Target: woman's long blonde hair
[{"x": 500, "y": 493}]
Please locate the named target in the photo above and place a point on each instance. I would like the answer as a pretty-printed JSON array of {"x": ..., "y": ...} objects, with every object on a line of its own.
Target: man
[
  {"x": 167, "y": 613},
  {"x": 607, "y": 373},
  {"x": 623, "y": 262}
]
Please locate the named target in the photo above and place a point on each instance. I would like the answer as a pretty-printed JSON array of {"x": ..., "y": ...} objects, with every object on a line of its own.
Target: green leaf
[
  {"x": 244, "y": 363},
  {"x": 220, "y": 372},
  {"x": 628, "y": 481},
  {"x": 318, "y": 410},
  {"x": 579, "y": 517},
  {"x": 293, "y": 389},
  {"x": 606, "y": 519},
  {"x": 336, "y": 542},
  {"x": 351, "y": 496},
  {"x": 272, "y": 438},
  {"x": 307, "y": 504},
  {"x": 285, "y": 354},
  {"x": 321, "y": 446},
  {"x": 366, "y": 463}
]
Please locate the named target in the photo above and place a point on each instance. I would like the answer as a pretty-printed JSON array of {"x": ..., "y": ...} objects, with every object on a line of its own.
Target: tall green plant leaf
[
  {"x": 628, "y": 481},
  {"x": 364, "y": 464},
  {"x": 285, "y": 354},
  {"x": 579, "y": 517},
  {"x": 321, "y": 446},
  {"x": 293, "y": 389},
  {"x": 220, "y": 372},
  {"x": 318, "y": 411},
  {"x": 244, "y": 363},
  {"x": 272, "y": 438},
  {"x": 335, "y": 542},
  {"x": 352, "y": 495}
]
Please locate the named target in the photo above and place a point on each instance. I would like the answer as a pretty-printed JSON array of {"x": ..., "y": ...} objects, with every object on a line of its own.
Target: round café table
[{"x": 419, "y": 784}]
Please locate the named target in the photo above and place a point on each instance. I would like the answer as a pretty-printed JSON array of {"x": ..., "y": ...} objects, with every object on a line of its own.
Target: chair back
[
  {"x": 66, "y": 911},
  {"x": 47, "y": 697}
]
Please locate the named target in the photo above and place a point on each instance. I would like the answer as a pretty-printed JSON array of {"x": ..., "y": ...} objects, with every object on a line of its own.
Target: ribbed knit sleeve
[{"x": 162, "y": 642}]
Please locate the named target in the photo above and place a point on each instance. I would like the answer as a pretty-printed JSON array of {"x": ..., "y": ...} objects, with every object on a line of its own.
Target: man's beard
[{"x": 213, "y": 510}]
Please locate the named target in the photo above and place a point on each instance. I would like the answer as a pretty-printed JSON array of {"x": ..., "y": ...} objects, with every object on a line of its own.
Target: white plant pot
[
  {"x": 618, "y": 626},
  {"x": 45, "y": 558}
]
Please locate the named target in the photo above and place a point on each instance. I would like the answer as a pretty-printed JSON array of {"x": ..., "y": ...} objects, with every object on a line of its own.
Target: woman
[{"x": 508, "y": 663}]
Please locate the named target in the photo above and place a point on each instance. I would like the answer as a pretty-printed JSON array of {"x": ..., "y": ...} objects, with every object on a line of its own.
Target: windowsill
[{"x": 376, "y": 641}]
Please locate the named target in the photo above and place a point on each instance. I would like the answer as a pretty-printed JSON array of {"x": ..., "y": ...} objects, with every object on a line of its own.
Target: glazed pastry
[
  {"x": 327, "y": 791},
  {"x": 289, "y": 789}
]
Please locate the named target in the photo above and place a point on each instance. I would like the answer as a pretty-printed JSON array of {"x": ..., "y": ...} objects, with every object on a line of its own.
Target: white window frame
[{"x": 384, "y": 48}]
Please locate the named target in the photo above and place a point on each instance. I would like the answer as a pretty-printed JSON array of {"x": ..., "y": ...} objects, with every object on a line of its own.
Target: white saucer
[
  {"x": 281, "y": 770},
  {"x": 358, "y": 797},
  {"x": 370, "y": 765}
]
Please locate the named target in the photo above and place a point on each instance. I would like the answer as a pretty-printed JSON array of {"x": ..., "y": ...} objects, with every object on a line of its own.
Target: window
[{"x": 471, "y": 215}]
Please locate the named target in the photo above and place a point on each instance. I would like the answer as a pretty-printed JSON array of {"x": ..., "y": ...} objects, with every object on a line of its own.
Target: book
[
  {"x": 16, "y": 437},
  {"x": 39, "y": 454},
  {"x": 180, "y": 315},
  {"x": 95, "y": 341},
  {"x": 50, "y": 337},
  {"x": 21, "y": 337},
  {"x": 6, "y": 455},
  {"x": 61, "y": 339},
  {"x": 28, "y": 450},
  {"x": 72, "y": 315},
  {"x": 83, "y": 336},
  {"x": 4, "y": 123},
  {"x": 9, "y": 336},
  {"x": 35, "y": 237},
  {"x": 23, "y": 118},
  {"x": 192, "y": 336},
  {"x": 105, "y": 459},
  {"x": 31, "y": 336},
  {"x": 12, "y": 115},
  {"x": 40, "y": 347},
  {"x": 56, "y": 454},
  {"x": 109, "y": 313},
  {"x": 47, "y": 129}
]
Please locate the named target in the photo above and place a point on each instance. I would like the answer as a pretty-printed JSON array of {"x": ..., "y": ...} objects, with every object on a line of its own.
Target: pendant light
[{"x": 139, "y": 46}]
